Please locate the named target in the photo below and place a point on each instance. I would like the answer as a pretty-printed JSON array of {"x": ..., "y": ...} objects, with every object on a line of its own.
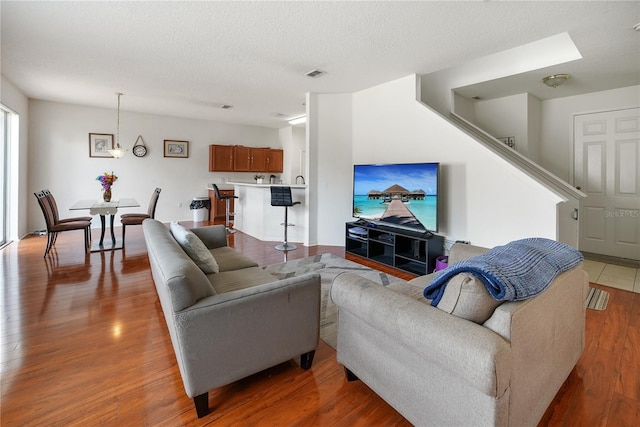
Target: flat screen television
[{"x": 403, "y": 194}]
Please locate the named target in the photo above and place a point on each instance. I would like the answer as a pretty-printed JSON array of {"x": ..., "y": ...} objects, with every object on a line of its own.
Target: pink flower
[{"x": 107, "y": 180}]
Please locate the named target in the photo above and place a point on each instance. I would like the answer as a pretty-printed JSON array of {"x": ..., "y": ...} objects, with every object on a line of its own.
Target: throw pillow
[
  {"x": 467, "y": 297},
  {"x": 194, "y": 247}
]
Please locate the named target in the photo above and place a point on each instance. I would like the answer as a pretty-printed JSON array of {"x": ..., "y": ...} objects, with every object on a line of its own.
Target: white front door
[{"x": 607, "y": 170}]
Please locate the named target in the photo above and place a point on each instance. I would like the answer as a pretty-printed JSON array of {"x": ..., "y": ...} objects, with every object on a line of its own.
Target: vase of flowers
[
  {"x": 258, "y": 178},
  {"x": 107, "y": 180}
]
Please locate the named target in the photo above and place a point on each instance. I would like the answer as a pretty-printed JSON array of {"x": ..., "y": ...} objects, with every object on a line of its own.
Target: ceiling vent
[{"x": 315, "y": 73}]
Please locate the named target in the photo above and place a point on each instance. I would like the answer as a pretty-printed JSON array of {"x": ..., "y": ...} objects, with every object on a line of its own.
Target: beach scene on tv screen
[{"x": 399, "y": 194}]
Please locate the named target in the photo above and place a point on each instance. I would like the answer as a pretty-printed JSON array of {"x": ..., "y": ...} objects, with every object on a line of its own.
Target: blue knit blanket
[{"x": 516, "y": 271}]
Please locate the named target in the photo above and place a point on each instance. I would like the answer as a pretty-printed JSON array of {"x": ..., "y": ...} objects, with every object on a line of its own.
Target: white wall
[
  {"x": 11, "y": 97},
  {"x": 329, "y": 142},
  {"x": 464, "y": 108},
  {"x": 515, "y": 115},
  {"x": 484, "y": 198},
  {"x": 293, "y": 141},
  {"x": 556, "y": 131},
  {"x": 534, "y": 107},
  {"x": 507, "y": 116},
  {"x": 298, "y": 152},
  {"x": 59, "y": 157},
  {"x": 285, "y": 135}
]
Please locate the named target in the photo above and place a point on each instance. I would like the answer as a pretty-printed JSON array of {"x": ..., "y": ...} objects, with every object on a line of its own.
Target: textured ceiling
[{"x": 186, "y": 59}]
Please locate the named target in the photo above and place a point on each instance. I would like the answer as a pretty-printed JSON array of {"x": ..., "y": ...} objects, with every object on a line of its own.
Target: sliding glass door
[{"x": 4, "y": 174}]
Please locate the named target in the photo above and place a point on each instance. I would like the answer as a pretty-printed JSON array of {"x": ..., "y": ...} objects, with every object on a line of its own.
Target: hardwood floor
[{"x": 84, "y": 342}]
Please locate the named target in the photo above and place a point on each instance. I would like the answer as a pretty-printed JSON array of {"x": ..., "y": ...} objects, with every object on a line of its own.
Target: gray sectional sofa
[
  {"x": 466, "y": 364},
  {"x": 231, "y": 323}
]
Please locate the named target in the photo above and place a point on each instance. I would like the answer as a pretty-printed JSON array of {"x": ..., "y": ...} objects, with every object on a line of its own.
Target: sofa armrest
[
  {"x": 462, "y": 251},
  {"x": 468, "y": 351},
  {"x": 213, "y": 236},
  {"x": 226, "y": 337},
  {"x": 547, "y": 336}
]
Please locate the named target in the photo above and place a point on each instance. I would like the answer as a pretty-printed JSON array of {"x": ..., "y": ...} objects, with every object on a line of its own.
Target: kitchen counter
[
  {"x": 225, "y": 186},
  {"x": 267, "y": 185},
  {"x": 255, "y": 216}
]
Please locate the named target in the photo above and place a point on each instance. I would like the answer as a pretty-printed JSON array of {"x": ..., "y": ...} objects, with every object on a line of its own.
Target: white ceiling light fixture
[
  {"x": 298, "y": 120},
  {"x": 555, "y": 80},
  {"x": 117, "y": 151}
]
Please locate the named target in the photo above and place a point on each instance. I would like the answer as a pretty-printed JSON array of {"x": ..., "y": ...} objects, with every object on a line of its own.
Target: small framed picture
[
  {"x": 509, "y": 141},
  {"x": 176, "y": 148},
  {"x": 100, "y": 144}
]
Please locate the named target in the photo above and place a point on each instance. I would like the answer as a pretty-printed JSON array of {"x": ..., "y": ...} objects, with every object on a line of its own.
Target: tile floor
[{"x": 609, "y": 274}]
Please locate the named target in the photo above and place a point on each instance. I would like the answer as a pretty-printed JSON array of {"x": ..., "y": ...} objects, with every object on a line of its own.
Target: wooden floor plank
[
  {"x": 628, "y": 383},
  {"x": 624, "y": 412}
]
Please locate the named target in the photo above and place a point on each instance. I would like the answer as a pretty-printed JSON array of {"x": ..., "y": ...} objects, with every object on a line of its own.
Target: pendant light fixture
[{"x": 117, "y": 151}]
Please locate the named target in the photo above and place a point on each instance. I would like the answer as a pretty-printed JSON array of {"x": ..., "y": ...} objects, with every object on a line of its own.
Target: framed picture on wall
[
  {"x": 176, "y": 148},
  {"x": 100, "y": 144},
  {"x": 509, "y": 141}
]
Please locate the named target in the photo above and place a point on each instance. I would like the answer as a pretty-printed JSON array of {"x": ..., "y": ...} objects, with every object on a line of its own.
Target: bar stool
[
  {"x": 227, "y": 200},
  {"x": 281, "y": 196}
]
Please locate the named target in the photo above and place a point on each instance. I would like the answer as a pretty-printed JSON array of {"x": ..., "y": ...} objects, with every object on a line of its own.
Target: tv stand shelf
[{"x": 411, "y": 251}]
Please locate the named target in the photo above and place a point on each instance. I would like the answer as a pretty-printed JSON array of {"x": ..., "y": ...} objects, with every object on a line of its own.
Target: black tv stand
[
  {"x": 411, "y": 251},
  {"x": 427, "y": 234}
]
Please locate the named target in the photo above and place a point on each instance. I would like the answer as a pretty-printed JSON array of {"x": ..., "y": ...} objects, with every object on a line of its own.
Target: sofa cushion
[
  {"x": 228, "y": 259},
  {"x": 194, "y": 247},
  {"x": 467, "y": 297},
  {"x": 233, "y": 280}
]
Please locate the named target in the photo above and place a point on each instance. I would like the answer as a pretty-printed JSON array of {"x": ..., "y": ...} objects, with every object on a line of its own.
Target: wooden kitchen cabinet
[
  {"x": 275, "y": 161},
  {"x": 249, "y": 159},
  {"x": 242, "y": 159},
  {"x": 221, "y": 158},
  {"x": 238, "y": 158},
  {"x": 259, "y": 159}
]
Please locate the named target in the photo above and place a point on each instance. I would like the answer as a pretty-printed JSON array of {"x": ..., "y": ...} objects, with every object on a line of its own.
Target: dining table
[{"x": 103, "y": 209}]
